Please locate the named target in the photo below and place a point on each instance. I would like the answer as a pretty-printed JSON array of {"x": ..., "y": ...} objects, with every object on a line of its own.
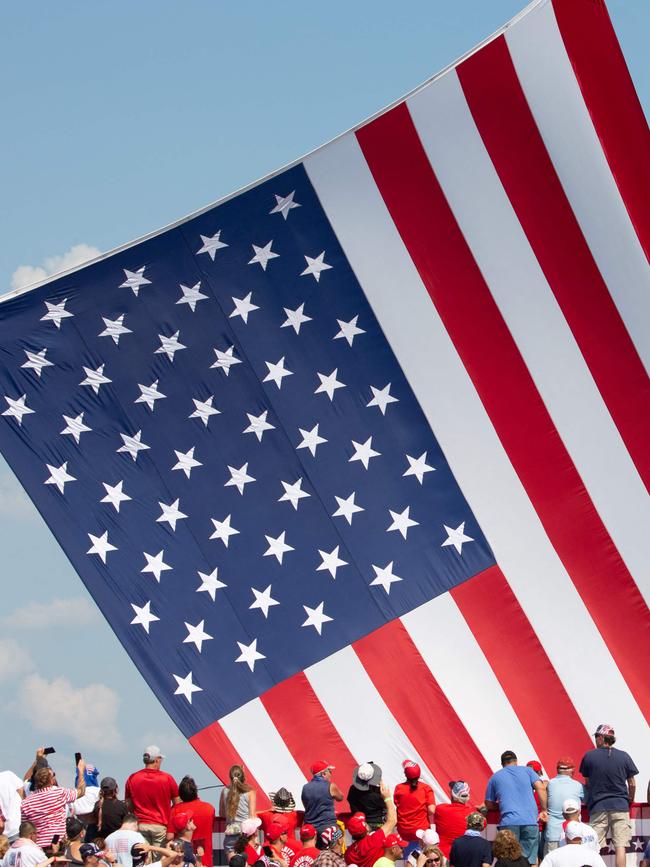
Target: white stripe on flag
[
  {"x": 552, "y": 92},
  {"x": 425, "y": 352},
  {"x": 499, "y": 245}
]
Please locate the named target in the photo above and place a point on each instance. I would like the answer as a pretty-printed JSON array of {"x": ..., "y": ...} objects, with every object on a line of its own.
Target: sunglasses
[{"x": 432, "y": 860}]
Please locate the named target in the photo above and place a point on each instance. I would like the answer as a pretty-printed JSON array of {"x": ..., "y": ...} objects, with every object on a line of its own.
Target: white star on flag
[
  {"x": 249, "y": 654},
  {"x": 186, "y": 687},
  {"x": 223, "y": 530},
  {"x": 258, "y": 424},
  {"x": 456, "y": 537},
  {"x": 262, "y": 255},
  {"x": 263, "y": 600},
  {"x": 204, "y": 409},
  {"x": 134, "y": 280},
  {"x": 331, "y": 562},
  {"x": 211, "y": 245},
  {"x": 295, "y": 318},
  {"x": 348, "y": 330},
  {"x": 56, "y": 312},
  {"x": 363, "y": 452},
  {"x": 191, "y": 295},
  {"x": 384, "y": 577},
  {"x": 283, "y": 204},
  {"x": 196, "y": 635},
  {"x": 402, "y": 521},
  {"x": 75, "y": 426},
  {"x": 310, "y": 439},
  {"x": 329, "y": 383},
  {"x": 347, "y": 508},
  {"x": 95, "y": 378},
  {"x": 59, "y": 476},
  {"x": 169, "y": 345},
  {"x": 114, "y": 495},
  {"x": 293, "y": 493},
  {"x": 239, "y": 478},
  {"x": 100, "y": 545},
  {"x": 225, "y": 360},
  {"x": 243, "y": 306},
  {"x": 143, "y": 616},
  {"x": 36, "y": 361},
  {"x": 418, "y": 467},
  {"x": 316, "y": 617},
  {"x": 315, "y": 266},
  {"x": 210, "y": 583},
  {"x": 115, "y": 328},
  {"x": 150, "y": 394},
  {"x": 277, "y": 372},
  {"x": 17, "y": 408},
  {"x": 170, "y": 514},
  {"x": 155, "y": 564},
  {"x": 277, "y": 547},
  {"x": 133, "y": 444},
  {"x": 381, "y": 397},
  {"x": 186, "y": 461}
]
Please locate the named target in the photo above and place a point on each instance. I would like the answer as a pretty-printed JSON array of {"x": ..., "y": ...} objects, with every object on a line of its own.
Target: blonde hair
[
  {"x": 435, "y": 850},
  {"x": 4, "y": 844},
  {"x": 506, "y": 846},
  {"x": 238, "y": 787}
]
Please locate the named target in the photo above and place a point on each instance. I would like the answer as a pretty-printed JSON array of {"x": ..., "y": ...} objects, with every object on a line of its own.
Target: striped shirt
[{"x": 46, "y": 809}]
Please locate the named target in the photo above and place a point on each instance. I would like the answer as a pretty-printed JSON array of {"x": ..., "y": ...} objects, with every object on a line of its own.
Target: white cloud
[
  {"x": 14, "y": 660},
  {"x": 14, "y": 502},
  {"x": 76, "y": 255},
  {"x": 56, "y": 612},
  {"x": 87, "y": 714}
]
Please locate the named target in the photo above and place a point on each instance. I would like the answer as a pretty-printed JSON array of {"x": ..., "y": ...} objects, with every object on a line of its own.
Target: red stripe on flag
[
  {"x": 305, "y": 727},
  {"x": 612, "y": 102},
  {"x": 445, "y": 263},
  {"x": 507, "y": 127},
  {"x": 419, "y": 705},
  {"x": 521, "y": 666},
  {"x": 216, "y": 749}
]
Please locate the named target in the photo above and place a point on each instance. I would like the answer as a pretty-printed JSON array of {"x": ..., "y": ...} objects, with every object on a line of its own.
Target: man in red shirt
[
  {"x": 202, "y": 814},
  {"x": 367, "y": 848},
  {"x": 306, "y": 856},
  {"x": 150, "y": 794},
  {"x": 415, "y": 804},
  {"x": 277, "y": 838}
]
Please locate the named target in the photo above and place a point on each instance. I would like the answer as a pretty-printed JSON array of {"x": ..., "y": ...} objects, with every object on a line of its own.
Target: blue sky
[{"x": 119, "y": 118}]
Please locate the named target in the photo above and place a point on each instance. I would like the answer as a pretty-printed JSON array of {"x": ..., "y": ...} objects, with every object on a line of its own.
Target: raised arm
[
  {"x": 81, "y": 784},
  {"x": 40, "y": 752},
  {"x": 391, "y": 813}
]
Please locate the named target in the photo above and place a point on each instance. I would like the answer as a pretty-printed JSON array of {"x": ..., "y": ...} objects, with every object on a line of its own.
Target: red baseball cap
[
  {"x": 535, "y": 765},
  {"x": 307, "y": 832},
  {"x": 394, "y": 840},
  {"x": 411, "y": 770},
  {"x": 320, "y": 766},
  {"x": 565, "y": 762},
  {"x": 357, "y": 824},
  {"x": 275, "y": 831},
  {"x": 180, "y": 821}
]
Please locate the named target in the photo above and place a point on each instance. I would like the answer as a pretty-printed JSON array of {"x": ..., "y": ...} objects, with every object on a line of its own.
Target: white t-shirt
[
  {"x": 26, "y": 855},
  {"x": 589, "y": 837},
  {"x": 85, "y": 804},
  {"x": 10, "y": 801},
  {"x": 120, "y": 843},
  {"x": 573, "y": 855}
]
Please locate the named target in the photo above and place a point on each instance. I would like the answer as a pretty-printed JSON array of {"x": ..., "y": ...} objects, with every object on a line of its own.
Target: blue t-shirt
[
  {"x": 558, "y": 790},
  {"x": 512, "y": 789},
  {"x": 607, "y": 771}
]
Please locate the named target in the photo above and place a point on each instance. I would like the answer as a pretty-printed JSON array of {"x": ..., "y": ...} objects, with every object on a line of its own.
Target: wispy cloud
[
  {"x": 14, "y": 502},
  {"x": 170, "y": 743},
  {"x": 76, "y": 255},
  {"x": 56, "y": 612},
  {"x": 15, "y": 660}
]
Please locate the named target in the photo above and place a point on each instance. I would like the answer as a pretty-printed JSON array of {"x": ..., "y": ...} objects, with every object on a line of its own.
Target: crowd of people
[{"x": 540, "y": 820}]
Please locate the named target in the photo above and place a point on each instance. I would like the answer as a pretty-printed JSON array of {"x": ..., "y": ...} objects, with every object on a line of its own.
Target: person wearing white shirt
[
  {"x": 575, "y": 853},
  {"x": 120, "y": 842},
  {"x": 11, "y": 794}
]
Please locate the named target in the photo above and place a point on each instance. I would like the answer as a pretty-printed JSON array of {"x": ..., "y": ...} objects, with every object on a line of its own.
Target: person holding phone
[{"x": 46, "y": 805}]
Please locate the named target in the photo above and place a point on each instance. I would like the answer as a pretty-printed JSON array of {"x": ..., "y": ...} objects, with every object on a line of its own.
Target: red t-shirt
[
  {"x": 151, "y": 792},
  {"x": 290, "y": 848},
  {"x": 289, "y": 820},
  {"x": 305, "y": 857},
  {"x": 451, "y": 823},
  {"x": 252, "y": 854},
  {"x": 203, "y": 815},
  {"x": 367, "y": 850},
  {"x": 412, "y": 813}
]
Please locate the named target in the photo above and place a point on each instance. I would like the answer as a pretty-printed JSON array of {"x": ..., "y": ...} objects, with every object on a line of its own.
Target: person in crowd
[
  {"x": 92, "y": 855},
  {"x": 247, "y": 843},
  {"x": 575, "y": 853},
  {"x": 306, "y": 856},
  {"x": 415, "y": 804},
  {"x": 393, "y": 851},
  {"x": 150, "y": 793},
  {"x": 472, "y": 849},
  {"x": 507, "y": 850},
  {"x": 238, "y": 802},
  {"x": 111, "y": 811},
  {"x": 277, "y": 839},
  {"x": 560, "y": 789},
  {"x": 536, "y": 766},
  {"x": 184, "y": 826},
  {"x": 74, "y": 834},
  {"x": 331, "y": 843},
  {"x": 283, "y": 807},
  {"x": 366, "y": 846},
  {"x": 46, "y": 805},
  {"x": 571, "y": 812},
  {"x": 40, "y": 761},
  {"x": 451, "y": 819},
  {"x": 364, "y": 795},
  {"x": 121, "y": 842},
  {"x": 24, "y": 851},
  {"x": 429, "y": 839},
  {"x": 202, "y": 814},
  {"x": 318, "y": 796},
  {"x": 432, "y": 856},
  {"x": 4, "y": 845},
  {"x": 510, "y": 790},
  {"x": 609, "y": 779},
  {"x": 11, "y": 794}
]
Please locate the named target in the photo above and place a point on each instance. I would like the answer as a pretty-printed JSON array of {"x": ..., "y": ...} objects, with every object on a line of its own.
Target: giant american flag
[{"x": 355, "y": 461}]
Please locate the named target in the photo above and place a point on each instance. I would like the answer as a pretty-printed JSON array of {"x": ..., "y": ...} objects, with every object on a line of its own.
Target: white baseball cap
[
  {"x": 153, "y": 752},
  {"x": 571, "y": 806},
  {"x": 428, "y": 836},
  {"x": 574, "y": 830}
]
